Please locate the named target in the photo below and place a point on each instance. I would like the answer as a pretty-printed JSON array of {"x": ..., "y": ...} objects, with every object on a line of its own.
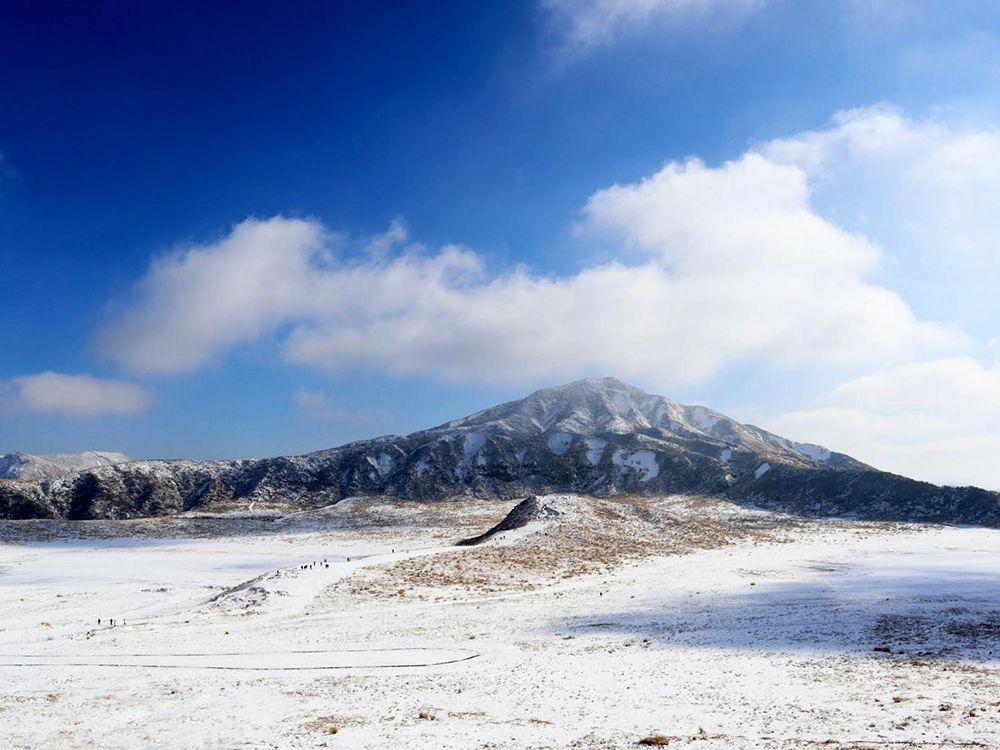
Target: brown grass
[{"x": 656, "y": 740}]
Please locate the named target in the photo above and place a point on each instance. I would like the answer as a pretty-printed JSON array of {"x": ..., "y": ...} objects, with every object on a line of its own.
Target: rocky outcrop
[
  {"x": 24, "y": 500},
  {"x": 528, "y": 510}
]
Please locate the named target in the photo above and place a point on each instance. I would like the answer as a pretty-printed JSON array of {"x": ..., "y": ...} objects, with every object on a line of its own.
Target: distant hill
[{"x": 27, "y": 466}]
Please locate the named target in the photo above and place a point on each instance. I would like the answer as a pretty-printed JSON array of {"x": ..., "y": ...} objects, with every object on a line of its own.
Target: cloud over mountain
[{"x": 715, "y": 266}]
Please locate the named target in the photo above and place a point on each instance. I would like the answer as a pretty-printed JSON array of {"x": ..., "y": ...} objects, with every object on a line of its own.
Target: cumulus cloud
[
  {"x": 724, "y": 264},
  {"x": 750, "y": 269},
  {"x": 924, "y": 188},
  {"x": 937, "y": 420},
  {"x": 586, "y": 24},
  {"x": 204, "y": 299},
  {"x": 75, "y": 395}
]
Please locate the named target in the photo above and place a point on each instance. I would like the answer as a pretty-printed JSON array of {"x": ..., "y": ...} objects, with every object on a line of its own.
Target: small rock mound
[{"x": 529, "y": 509}]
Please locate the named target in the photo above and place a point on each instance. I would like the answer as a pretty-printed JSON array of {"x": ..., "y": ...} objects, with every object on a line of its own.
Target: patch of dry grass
[
  {"x": 655, "y": 740},
  {"x": 590, "y": 535}
]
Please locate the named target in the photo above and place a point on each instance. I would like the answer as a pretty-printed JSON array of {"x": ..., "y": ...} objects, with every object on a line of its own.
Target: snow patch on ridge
[
  {"x": 474, "y": 441},
  {"x": 643, "y": 461},
  {"x": 659, "y": 413},
  {"x": 385, "y": 464},
  {"x": 622, "y": 405},
  {"x": 559, "y": 442},
  {"x": 703, "y": 419},
  {"x": 595, "y": 450},
  {"x": 815, "y": 452}
]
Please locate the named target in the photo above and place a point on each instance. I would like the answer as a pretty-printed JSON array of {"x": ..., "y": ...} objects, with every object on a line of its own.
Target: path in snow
[{"x": 379, "y": 658}]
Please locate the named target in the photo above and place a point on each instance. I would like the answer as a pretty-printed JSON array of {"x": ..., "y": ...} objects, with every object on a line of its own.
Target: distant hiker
[{"x": 98, "y": 620}]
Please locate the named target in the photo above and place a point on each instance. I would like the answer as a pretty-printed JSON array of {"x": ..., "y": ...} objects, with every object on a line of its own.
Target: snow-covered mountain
[
  {"x": 606, "y": 406},
  {"x": 596, "y": 436},
  {"x": 27, "y": 466}
]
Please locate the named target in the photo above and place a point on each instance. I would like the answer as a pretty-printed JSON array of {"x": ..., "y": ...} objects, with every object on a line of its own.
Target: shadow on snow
[{"x": 922, "y": 612}]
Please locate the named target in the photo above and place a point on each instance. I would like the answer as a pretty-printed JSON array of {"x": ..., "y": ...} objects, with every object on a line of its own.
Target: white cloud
[
  {"x": 750, "y": 270},
  {"x": 75, "y": 395},
  {"x": 205, "y": 299},
  {"x": 727, "y": 264},
  {"x": 926, "y": 189},
  {"x": 586, "y": 24},
  {"x": 936, "y": 420}
]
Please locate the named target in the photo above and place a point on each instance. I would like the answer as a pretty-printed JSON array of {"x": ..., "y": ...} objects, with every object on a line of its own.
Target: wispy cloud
[
  {"x": 74, "y": 395},
  {"x": 320, "y": 405},
  {"x": 584, "y": 25}
]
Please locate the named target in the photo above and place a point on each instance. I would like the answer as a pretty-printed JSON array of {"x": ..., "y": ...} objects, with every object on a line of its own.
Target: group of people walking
[{"x": 310, "y": 566}]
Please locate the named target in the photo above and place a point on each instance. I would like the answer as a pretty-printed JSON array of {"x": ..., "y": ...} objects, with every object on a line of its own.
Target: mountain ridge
[
  {"x": 596, "y": 436},
  {"x": 32, "y": 467}
]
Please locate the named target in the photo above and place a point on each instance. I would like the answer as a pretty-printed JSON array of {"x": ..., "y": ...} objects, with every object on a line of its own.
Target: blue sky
[{"x": 264, "y": 231}]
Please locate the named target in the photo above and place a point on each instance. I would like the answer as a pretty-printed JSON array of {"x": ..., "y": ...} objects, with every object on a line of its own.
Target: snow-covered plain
[{"x": 784, "y": 634}]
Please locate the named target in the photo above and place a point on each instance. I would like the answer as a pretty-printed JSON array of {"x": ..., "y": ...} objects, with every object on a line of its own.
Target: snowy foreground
[{"x": 615, "y": 620}]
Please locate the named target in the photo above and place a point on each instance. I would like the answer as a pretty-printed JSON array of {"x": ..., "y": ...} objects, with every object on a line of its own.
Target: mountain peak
[
  {"x": 583, "y": 407},
  {"x": 608, "y": 381},
  {"x": 602, "y": 406}
]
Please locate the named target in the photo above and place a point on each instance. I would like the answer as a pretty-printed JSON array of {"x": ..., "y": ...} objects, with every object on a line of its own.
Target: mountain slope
[
  {"x": 52, "y": 466},
  {"x": 596, "y": 436}
]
